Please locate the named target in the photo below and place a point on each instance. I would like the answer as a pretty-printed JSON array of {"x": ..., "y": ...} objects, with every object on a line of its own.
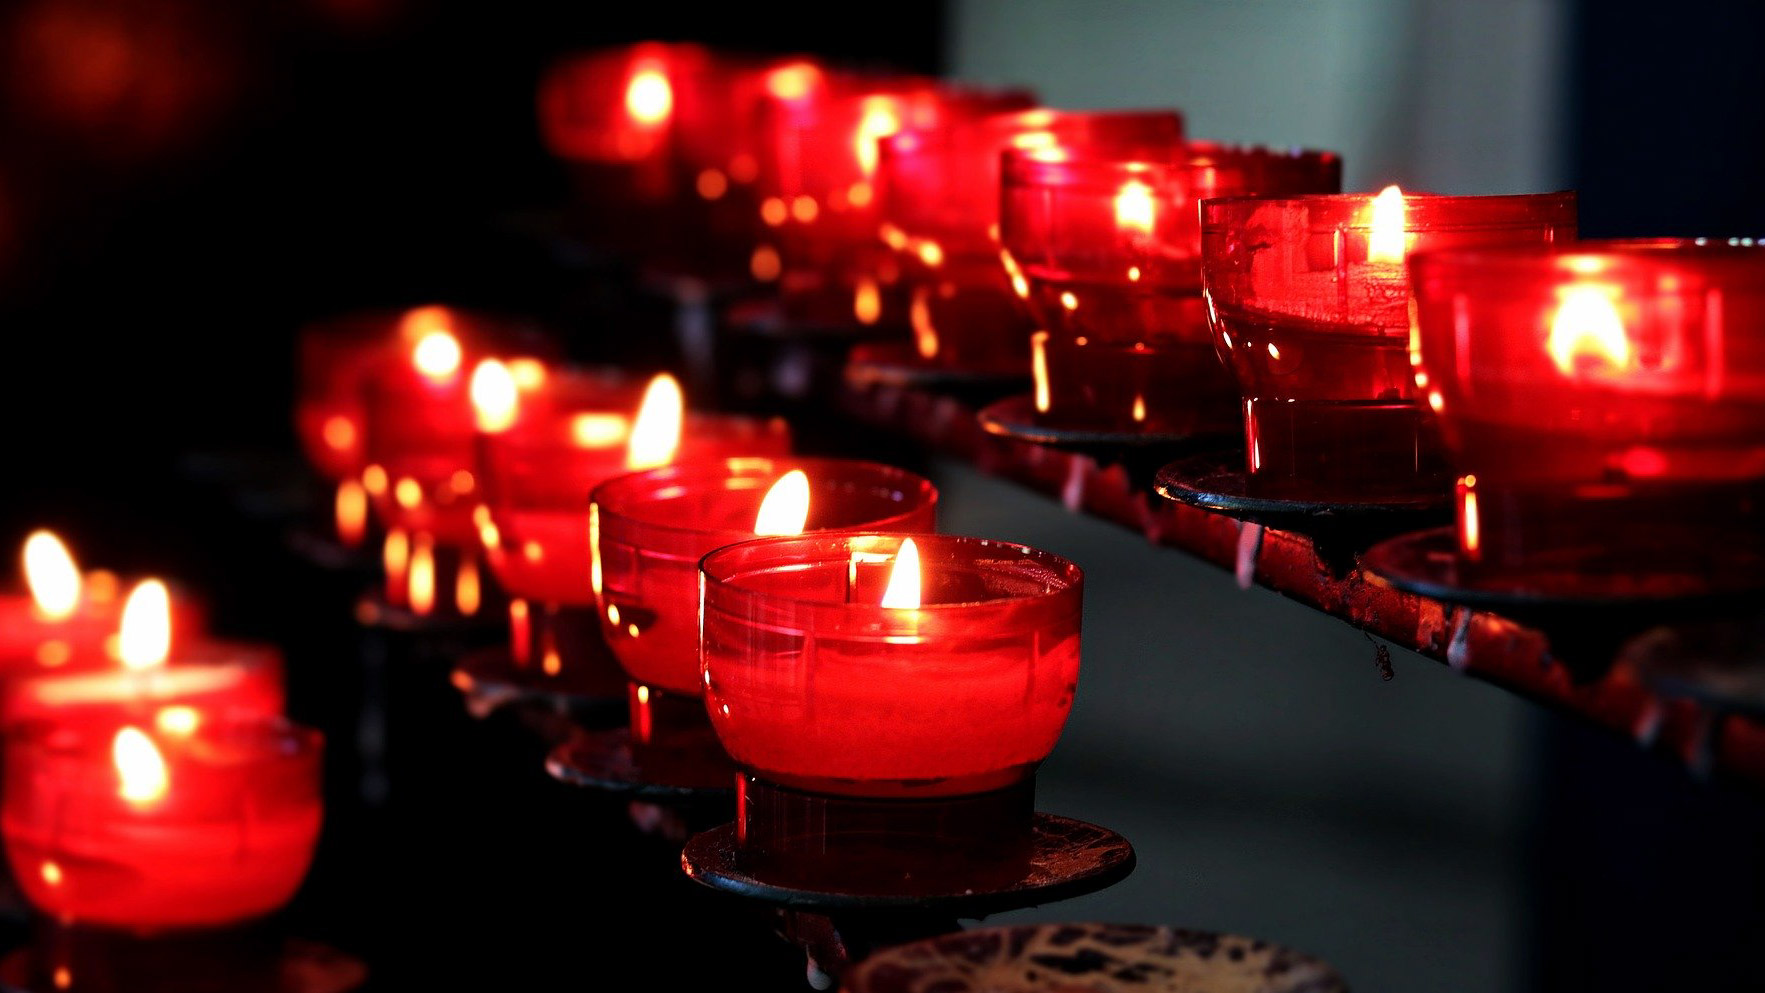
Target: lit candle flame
[
  {"x": 494, "y": 396},
  {"x": 1587, "y": 329},
  {"x": 1385, "y": 243},
  {"x": 140, "y": 767},
  {"x": 786, "y": 507},
  {"x": 1039, "y": 369},
  {"x": 880, "y": 119},
  {"x": 146, "y": 635},
  {"x": 422, "y": 575},
  {"x": 792, "y": 82},
  {"x": 599, "y": 430},
  {"x": 655, "y": 435},
  {"x": 903, "y": 589},
  {"x": 351, "y": 508},
  {"x": 649, "y": 98},
  {"x": 437, "y": 355},
  {"x": 178, "y": 719},
  {"x": 1134, "y": 207},
  {"x": 51, "y": 574}
]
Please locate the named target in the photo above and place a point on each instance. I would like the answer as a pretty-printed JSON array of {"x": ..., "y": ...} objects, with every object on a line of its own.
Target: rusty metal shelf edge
[{"x": 1476, "y": 643}]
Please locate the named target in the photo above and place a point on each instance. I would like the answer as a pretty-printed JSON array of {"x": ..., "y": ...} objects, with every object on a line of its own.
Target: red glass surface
[
  {"x": 230, "y": 838},
  {"x": 1314, "y": 332},
  {"x": 569, "y": 436},
  {"x": 819, "y": 209},
  {"x": 939, "y": 189},
  {"x": 649, "y": 530},
  {"x": 1604, "y": 402},
  {"x": 1104, "y": 246},
  {"x": 335, "y": 358},
  {"x": 811, "y": 683},
  {"x": 213, "y": 677}
]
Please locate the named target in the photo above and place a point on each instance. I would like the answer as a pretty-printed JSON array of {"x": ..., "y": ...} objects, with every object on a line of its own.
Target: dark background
[{"x": 182, "y": 183}]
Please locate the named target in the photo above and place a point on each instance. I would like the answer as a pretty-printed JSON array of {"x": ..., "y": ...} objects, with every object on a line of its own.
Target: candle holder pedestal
[
  {"x": 256, "y": 958},
  {"x": 669, "y": 753},
  {"x": 1588, "y": 613},
  {"x": 1017, "y": 418},
  {"x": 1217, "y": 481},
  {"x": 556, "y": 659},
  {"x": 1719, "y": 664}
]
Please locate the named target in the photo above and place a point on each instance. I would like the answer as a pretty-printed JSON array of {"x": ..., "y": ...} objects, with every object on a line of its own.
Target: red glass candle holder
[
  {"x": 819, "y": 211},
  {"x": 334, "y": 361},
  {"x": 32, "y": 642},
  {"x": 1308, "y": 298},
  {"x": 649, "y": 530},
  {"x": 939, "y": 190},
  {"x": 871, "y": 732},
  {"x": 566, "y": 437},
  {"x": 422, "y": 453},
  {"x": 202, "y": 679},
  {"x": 1604, "y": 404},
  {"x": 143, "y": 830},
  {"x": 1104, "y": 246}
]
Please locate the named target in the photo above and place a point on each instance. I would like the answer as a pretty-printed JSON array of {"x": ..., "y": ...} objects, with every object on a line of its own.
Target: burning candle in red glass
[
  {"x": 152, "y": 679},
  {"x": 422, "y": 447},
  {"x": 146, "y": 829},
  {"x": 1102, "y": 240},
  {"x": 68, "y": 620},
  {"x": 541, "y": 451},
  {"x": 818, "y": 178},
  {"x": 940, "y": 213},
  {"x": 1604, "y": 403},
  {"x": 888, "y": 698},
  {"x": 650, "y": 529},
  {"x": 1309, "y": 302}
]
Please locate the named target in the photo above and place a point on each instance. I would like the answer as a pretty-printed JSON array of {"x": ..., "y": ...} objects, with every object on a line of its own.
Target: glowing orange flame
[
  {"x": 792, "y": 82},
  {"x": 903, "y": 589},
  {"x": 1385, "y": 242},
  {"x": 437, "y": 355},
  {"x": 351, "y": 509},
  {"x": 786, "y": 507},
  {"x": 177, "y": 720},
  {"x": 655, "y": 435},
  {"x": 140, "y": 768},
  {"x": 919, "y": 317},
  {"x": 867, "y": 301},
  {"x": 339, "y": 433},
  {"x": 374, "y": 480},
  {"x": 51, "y": 873},
  {"x": 408, "y": 492},
  {"x": 1039, "y": 369},
  {"x": 395, "y": 554},
  {"x": 468, "y": 590},
  {"x": 51, "y": 574},
  {"x": 649, "y": 98},
  {"x": 1134, "y": 207},
  {"x": 422, "y": 575},
  {"x": 879, "y": 119},
  {"x": 529, "y": 373},
  {"x": 1470, "y": 526},
  {"x": 1588, "y": 331},
  {"x": 494, "y": 396},
  {"x": 1139, "y": 408},
  {"x": 146, "y": 635},
  {"x": 599, "y": 430}
]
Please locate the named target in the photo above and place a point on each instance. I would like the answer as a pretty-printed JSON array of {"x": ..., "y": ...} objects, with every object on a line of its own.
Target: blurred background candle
[
  {"x": 843, "y": 672},
  {"x": 154, "y": 677},
  {"x": 1101, "y": 236},
  {"x": 1604, "y": 404},
  {"x": 939, "y": 190},
  {"x": 149, "y": 829},
  {"x": 1309, "y": 303},
  {"x": 542, "y": 449}
]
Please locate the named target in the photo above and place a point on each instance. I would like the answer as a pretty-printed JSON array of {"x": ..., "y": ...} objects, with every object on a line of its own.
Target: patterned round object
[{"x": 1091, "y": 958}]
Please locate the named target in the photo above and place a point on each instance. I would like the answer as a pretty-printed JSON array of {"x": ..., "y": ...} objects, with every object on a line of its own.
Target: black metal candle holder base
[
  {"x": 898, "y": 364},
  {"x": 1720, "y": 664},
  {"x": 1017, "y": 418},
  {"x": 1101, "y": 958},
  {"x": 684, "y": 769},
  {"x": 250, "y": 960},
  {"x": 1218, "y": 481},
  {"x": 1064, "y": 858},
  {"x": 490, "y": 679},
  {"x": 1589, "y": 613}
]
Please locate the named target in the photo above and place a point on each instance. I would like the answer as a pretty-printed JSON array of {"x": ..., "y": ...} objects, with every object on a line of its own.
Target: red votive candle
[
  {"x": 145, "y": 830},
  {"x": 649, "y": 530},
  {"x": 1604, "y": 404},
  {"x": 940, "y": 213},
  {"x": 541, "y": 452},
  {"x": 422, "y": 449},
  {"x": 1309, "y": 303},
  {"x": 71, "y": 621},
  {"x": 819, "y": 211},
  {"x": 200, "y": 677},
  {"x": 1103, "y": 242},
  {"x": 885, "y": 703}
]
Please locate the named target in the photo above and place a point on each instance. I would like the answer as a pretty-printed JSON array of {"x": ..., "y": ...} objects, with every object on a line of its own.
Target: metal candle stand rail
[{"x": 1576, "y": 678}]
